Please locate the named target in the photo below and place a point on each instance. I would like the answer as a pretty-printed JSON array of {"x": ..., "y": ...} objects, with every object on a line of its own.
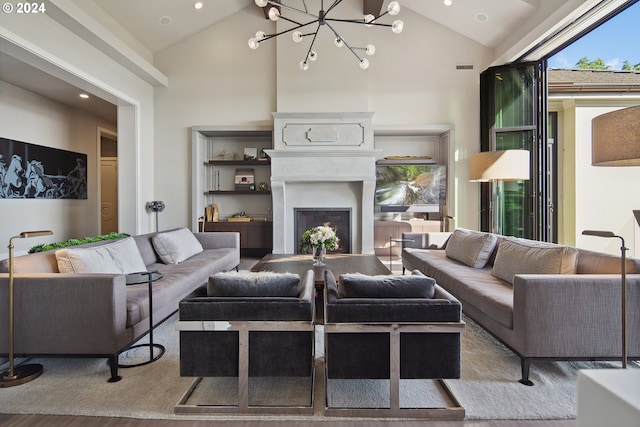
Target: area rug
[{"x": 488, "y": 387}]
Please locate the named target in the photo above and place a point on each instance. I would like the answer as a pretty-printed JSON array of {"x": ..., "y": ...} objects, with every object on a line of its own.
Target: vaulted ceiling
[{"x": 152, "y": 25}]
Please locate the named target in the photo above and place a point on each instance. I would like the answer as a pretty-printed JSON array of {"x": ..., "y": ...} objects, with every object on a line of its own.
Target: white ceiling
[{"x": 141, "y": 20}]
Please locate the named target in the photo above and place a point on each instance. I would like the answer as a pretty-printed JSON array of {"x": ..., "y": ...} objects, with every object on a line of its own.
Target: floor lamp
[
  {"x": 615, "y": 141},
  {"x": 17, "y": 375},
  {"x": 494, "y": 166},
  {"x": 623, "y": 269},
  {"x": 156, "y": 206}
]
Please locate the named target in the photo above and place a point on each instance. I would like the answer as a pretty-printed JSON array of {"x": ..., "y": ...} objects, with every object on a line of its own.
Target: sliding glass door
[{"x": 513, "y": 116}]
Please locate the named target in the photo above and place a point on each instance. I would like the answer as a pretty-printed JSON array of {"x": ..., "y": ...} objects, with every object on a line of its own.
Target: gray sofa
[
  {"x": 96, "y": 314},
  {"x": 543, "y": 301}
]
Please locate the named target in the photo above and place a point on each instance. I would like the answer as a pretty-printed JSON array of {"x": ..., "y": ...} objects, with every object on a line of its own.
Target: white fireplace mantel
[{"x": 323, "y": 160}]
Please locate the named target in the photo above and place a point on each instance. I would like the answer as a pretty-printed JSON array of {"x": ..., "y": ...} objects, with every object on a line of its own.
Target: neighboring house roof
[{"x": 578, "y": 80}]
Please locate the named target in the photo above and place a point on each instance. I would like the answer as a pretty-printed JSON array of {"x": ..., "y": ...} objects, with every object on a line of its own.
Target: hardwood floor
[{"x": 68, "y": 421}]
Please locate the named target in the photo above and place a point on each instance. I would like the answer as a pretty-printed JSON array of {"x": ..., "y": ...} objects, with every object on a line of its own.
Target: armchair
[
  {"x": 394, "y": 328},
  {"x": 251, "y": 331}
]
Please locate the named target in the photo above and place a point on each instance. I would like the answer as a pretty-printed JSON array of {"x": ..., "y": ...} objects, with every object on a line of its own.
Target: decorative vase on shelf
[{"x": 319, "y": 255}]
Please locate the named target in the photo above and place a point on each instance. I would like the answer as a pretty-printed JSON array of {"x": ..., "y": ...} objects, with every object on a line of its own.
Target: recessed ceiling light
[
  {"x": 448, "y": 2},
  {"x": 198, "y": 5},
  {"x": 84, "y": 96},
  {"x": 165, "y": 20},
  {"x": 482, "y": 17}
]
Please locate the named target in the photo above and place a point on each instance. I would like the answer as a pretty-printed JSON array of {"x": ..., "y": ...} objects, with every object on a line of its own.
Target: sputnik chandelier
[{"x": 321, "y": 20}]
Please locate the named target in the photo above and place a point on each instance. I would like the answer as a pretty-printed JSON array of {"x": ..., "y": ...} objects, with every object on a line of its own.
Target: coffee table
[{"x": 336, "y": 263}]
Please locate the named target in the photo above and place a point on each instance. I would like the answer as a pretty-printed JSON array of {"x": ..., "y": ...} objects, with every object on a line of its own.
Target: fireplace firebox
[{"x": 337, "y": 218}]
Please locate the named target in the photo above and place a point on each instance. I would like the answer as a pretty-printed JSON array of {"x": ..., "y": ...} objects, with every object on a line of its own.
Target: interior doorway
[{"x": 108, "y": 149}]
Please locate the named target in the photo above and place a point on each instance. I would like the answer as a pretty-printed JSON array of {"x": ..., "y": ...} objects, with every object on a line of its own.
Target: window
[{"x": 513, "y": 109}]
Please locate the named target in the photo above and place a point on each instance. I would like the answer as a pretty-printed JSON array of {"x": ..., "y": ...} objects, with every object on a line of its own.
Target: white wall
[
  {"x": 55, "y": 49},
  {"x": 603, "y": 197},
  {"x": 27, "y": 117},
  {"x": 215, "y": 79}
]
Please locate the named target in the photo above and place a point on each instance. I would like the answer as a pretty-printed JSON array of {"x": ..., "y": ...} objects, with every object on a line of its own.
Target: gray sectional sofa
[
  {"x": 542, "y": 300},
  {"x": 89, "y": 310}
]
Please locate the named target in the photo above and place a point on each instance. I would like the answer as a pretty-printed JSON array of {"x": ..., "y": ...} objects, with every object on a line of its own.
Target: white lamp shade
[
  {"x": 506, "y": 165},
  {"x": 615, "y": 138}
]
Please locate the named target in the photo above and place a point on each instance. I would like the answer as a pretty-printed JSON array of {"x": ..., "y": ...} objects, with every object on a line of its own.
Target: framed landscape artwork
[{"x": 29, "y": 171}]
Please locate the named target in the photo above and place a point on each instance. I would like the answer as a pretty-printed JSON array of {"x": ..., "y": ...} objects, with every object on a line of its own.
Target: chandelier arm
[
  {"x": 335, "y": 3},
  {"x": 306, "y": 58},
  {"x": 284, "y": 6},
  {"x": 345, "y": 43},
  {"x": 270, "y": 36},
  {"x": 358, "y": 21}
]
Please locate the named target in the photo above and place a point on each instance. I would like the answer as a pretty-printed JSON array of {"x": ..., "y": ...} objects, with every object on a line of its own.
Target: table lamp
[{"x": 17, "y": 375}]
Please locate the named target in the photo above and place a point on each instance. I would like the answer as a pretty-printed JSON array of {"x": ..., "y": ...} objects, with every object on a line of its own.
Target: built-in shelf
[
  {"x": 248, "y": 192},
  {"x": 392, "y": 162},
  {"x": 265, "y": 162}
]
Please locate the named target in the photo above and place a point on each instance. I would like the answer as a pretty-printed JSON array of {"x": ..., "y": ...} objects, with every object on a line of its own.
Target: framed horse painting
[{"x": 29, "y": 171}]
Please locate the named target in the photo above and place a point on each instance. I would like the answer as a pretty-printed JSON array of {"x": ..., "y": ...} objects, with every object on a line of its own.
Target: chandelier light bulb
[
  {"x": 253, "y": 43},
  {"x": 276, "y": 9},
  {"x": 394, "y": 7},
  {"x": 274, "y": 14},
  {"x": 397, "y": 26},
  {"x": 367, "y": 19}
]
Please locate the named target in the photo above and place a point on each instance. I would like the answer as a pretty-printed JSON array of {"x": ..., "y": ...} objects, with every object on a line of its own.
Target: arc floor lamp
[
  {"x": 615, "y": 141},
  {"x": 17, "y": 375}
]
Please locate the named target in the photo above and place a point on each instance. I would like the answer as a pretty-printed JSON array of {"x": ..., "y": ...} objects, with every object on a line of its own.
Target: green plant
[{"x": 73, "y": 242}]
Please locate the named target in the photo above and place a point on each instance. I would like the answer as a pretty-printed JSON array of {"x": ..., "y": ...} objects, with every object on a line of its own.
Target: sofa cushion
[
  {"x": 521, "y": 256},
  {"x": 175, "y": 246},
  {"x": 254, "y": 284},
  {"x": 385, "y": 286},
  {"x": 472, "y": 248},
  {"x": 120, "y": 257}
]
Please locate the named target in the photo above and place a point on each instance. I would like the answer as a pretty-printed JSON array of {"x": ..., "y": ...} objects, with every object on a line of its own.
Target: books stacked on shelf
[
  {"x": 245, "y": 179},
  {"x": 211, "y": 213}
]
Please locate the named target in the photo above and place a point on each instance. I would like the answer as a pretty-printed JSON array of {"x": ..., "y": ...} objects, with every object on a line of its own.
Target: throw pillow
[
  {"x": 120, "y": 257},
  {"x": 472, "y": 248},
  {"x": 254, "y": 284},
  {"x": 175, "y": 246},
  {"x": 522, "y": 256},
  {"x": 358, "y": 285}
]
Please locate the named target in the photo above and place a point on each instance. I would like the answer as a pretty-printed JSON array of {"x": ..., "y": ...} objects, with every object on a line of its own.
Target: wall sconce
[{"x": 17, "y": 375}]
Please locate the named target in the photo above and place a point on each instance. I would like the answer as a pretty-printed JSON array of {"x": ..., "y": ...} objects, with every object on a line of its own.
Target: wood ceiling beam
[{"x": 372, "y": 7}]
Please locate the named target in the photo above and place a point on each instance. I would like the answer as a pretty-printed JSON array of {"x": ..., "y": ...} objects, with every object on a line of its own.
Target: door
[{"x": 108, "y": 195}]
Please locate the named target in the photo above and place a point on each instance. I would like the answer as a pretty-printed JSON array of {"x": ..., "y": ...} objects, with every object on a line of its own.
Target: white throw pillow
[
  {"x": 175, "y": 246},
  {"x": 472, "y": 248},
  {"x": 119, "y": 257}
]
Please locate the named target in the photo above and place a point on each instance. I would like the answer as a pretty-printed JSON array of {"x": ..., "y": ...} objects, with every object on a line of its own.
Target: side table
[
  {"x": 136, "y": 279},
  {"x": 397, "y": 240}
]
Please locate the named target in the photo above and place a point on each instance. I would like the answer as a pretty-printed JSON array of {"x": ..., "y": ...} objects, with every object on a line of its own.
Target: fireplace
[
  {"x": 337, "y": 218},
  {"x": 322, "y": 161}
]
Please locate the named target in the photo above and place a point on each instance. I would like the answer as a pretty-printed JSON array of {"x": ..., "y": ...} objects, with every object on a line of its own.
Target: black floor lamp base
[{"x": 21, "y": 374}]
